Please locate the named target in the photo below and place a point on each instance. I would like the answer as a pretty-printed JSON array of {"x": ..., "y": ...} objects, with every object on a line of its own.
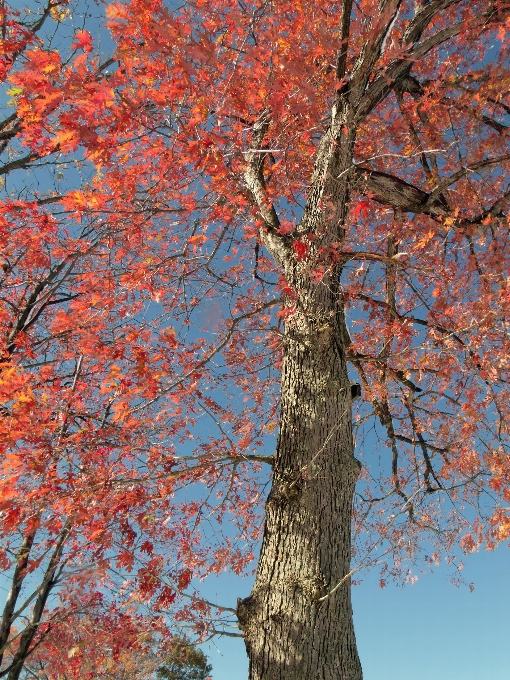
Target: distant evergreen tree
[
  {"x": 187, "y": 662},
  {"x": 184, "y": 661}
]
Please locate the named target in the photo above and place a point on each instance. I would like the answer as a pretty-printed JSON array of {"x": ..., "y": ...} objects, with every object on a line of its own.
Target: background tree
[
  {"x": 123, "y": 652},
  {"x": 225, "y": 197},
  {"x": 186, "y": 663}
]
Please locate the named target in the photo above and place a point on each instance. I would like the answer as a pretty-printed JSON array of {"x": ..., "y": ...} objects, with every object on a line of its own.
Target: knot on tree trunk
[
  {"x": 310, "y": 587},
  {"x": 247, "y": 611},
  {"x": 286, "y": 492}
]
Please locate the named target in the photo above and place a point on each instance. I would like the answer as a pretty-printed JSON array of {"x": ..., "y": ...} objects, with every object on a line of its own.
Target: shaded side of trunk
[{"x": 289, "y": 632}]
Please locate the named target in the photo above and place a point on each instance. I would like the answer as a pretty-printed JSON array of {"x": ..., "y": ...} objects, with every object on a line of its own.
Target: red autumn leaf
[
  {"x": 83, "y": 41},
  {"x": 184, "y": 579},
  {"x": 361, "y": 208},
  {"x": 301, "y": 250}
]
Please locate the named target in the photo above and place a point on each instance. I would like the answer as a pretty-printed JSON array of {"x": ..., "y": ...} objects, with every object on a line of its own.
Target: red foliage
[{"x": 138, "y": 350}]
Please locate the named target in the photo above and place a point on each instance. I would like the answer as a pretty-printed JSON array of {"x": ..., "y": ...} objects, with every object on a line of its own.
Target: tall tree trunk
[
  {"x": 294, "y": 627},
  {"x": 289, "y": 633}
]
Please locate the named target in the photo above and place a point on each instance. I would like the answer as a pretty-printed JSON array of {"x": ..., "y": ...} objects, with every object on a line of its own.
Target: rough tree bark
[
  {"x": 289, "y": 633},
  {"x": 293, "y": 627}
]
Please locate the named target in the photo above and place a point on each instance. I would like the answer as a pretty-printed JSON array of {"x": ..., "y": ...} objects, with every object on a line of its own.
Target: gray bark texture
[
  {"x": 306, "y": 545},
  {"x": 289, "y": 631}
]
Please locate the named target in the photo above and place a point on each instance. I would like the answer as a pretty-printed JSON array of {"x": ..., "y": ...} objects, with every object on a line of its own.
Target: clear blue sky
[{"x": 426, "y": 631}]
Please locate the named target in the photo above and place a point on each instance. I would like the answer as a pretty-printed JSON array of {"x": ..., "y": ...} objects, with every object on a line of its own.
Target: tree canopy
[{"x": 221, "y": 222}]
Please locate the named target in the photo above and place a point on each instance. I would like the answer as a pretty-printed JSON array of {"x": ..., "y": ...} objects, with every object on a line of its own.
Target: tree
[
  {"x": 144, "y": 656},
  {"x": 186, "y": 663},
  {"x": 229, "y": 196}
]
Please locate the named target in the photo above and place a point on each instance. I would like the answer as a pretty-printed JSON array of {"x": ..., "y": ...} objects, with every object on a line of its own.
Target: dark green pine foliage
[{"x": 186, "y": 663}]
